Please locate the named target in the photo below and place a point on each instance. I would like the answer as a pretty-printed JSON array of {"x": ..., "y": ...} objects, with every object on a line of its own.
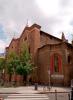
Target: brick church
[{"x": 52, "y": 56}]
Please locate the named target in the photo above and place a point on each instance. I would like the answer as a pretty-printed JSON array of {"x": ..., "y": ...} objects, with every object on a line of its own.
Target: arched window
[
  {"x": 56, "y": 63},
  {"x": 69, "y": 59}
]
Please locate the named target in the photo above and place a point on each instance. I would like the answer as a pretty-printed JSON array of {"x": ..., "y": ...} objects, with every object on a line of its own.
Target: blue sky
[
  {"x": 2, "y": 33},
  {"x": 55, "y": 17}
]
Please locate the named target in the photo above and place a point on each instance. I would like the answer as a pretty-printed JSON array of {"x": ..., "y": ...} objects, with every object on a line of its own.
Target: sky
[{"x": 54, "y": 16}]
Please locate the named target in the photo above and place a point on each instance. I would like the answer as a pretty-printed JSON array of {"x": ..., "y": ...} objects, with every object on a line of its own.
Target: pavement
[
  {"x": 54, "y": 89},
  {"x": 29, "y": 93}
]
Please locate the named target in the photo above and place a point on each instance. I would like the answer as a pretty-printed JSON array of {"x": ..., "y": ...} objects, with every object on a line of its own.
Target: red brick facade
[{"x": 48, "y": 53}]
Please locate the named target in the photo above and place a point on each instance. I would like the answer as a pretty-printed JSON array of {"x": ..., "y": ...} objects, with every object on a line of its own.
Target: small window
[
  {"x": 69, "y": 59},
  {"x": 25, "y": 38}
]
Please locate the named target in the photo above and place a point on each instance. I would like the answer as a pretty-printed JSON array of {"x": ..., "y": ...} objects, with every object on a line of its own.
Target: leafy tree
[
  {"x": 2, "y": 63},
  {"x": 2, "y": 70},
  {"x": 12, "y": 62},
  {"x": 21, "y": 64},
  {"x": 25, "y": 67}
]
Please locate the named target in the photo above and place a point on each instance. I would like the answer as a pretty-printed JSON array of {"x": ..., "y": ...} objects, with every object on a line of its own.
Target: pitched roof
[{"x": 42, "y": 32}]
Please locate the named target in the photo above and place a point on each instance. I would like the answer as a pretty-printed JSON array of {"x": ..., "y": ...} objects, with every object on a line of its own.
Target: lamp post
[
  {"x": 49, "y": 79},
  {"x": 72, "y": 89}
]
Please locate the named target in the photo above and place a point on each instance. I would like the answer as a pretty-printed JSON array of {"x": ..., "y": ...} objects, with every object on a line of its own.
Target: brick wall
[
  {"x": 41, "y": 46},
  {"x": 43, "y": 63}
]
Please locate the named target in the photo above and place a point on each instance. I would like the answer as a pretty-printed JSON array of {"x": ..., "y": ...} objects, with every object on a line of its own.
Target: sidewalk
[
  {"x": 53, "y": 89},
  {"x": 56, "y": 93},
  {"x": 31, "y": 89},
  {"x": 29, "y": 93}
]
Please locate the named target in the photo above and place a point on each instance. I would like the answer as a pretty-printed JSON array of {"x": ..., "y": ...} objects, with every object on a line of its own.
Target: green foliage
[
  {"x": 25, "y": 56},
  {"x": 20, "y": 64},
  {"x": 25, "y": 59},
  {"x": 12, "y": 62},
  {"x": 10, "y": 69},
  {"x": 2, "y": 63},
  {"x": 12, "y": 56},
  {"x": 19, "y": 70}
]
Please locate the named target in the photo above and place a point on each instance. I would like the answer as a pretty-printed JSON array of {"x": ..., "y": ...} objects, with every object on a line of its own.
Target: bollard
[
  {"x": 55, "y": 94},
  {"x": 72, "y": 94},
  {"x": 69, "y": 96},
  {"x": 36, "y": 86}
]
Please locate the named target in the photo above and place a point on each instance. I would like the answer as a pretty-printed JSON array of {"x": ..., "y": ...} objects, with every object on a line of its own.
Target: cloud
[
  {"x": 49, "y": 7},
  {"x": 54, "y": 16}
]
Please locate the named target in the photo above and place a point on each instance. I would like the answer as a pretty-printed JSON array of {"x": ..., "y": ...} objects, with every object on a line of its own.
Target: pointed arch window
[
  {"x": 69, "y": 59},
  {"x": 56, "y": 63}
]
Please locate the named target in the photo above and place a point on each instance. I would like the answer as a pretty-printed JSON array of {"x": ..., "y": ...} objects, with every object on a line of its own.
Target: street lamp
[
  {"x": 49, "y": 78},
  {"x": 72, "y": 89}
]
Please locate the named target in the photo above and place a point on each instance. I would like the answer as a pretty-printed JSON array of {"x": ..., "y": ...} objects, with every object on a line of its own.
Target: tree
[
  {"x": 26, "y": 66},
  {"x": 2, "y": 64},
  {"x": 12, "y": 63},
  {"x": 21, "y": 64},
  {"x": 2, "y": 70}
]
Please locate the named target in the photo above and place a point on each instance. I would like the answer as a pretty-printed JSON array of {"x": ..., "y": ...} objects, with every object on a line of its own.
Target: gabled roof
[
  {"x": 13, "y": 40},
  {"x": 42, "y": 32},
  {"x": 30, "y": 28},
  {"x": 68, "y": 44}
]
